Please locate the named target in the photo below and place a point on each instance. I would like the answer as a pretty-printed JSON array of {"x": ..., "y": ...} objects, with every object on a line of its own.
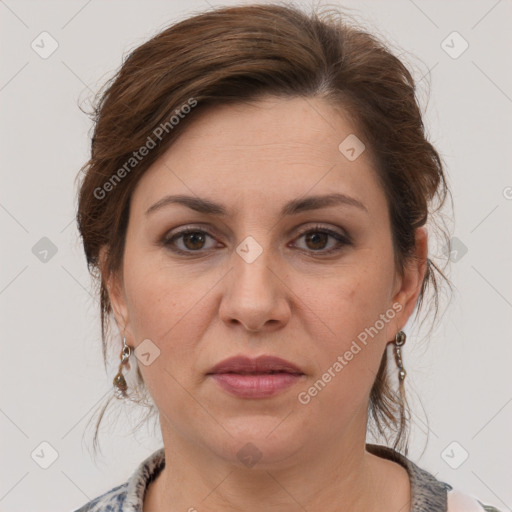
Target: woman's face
[{"x": 259, "y": 276}]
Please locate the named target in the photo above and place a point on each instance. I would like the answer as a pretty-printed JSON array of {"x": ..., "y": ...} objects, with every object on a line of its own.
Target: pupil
[
  {"x": 193, "y": 236},
  {"x": 313, "y": 237}
]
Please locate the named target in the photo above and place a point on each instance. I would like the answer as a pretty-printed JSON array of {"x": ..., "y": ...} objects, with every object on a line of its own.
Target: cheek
[
  {"x": 353, "y": 315},
  {"x": 157, "y": 298},
  {"x": 163, "y": 311},
  {"x": 352, "y": 302},
  {"x": 152, "y": 307},
  {"x": 170, "y": 308}
]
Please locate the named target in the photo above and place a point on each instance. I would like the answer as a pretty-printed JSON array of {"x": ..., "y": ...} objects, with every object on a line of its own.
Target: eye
[
  {"x": 193, "y": 240},
  {"x": 317, "y": 237}
]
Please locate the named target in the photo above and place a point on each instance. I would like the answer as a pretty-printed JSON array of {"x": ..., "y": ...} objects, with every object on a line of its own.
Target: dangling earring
[
  {"x": 119, "y": 380},
  {"x": 400, "y": 338}
]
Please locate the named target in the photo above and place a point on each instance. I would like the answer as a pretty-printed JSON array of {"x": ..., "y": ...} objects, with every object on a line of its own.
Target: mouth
[
  {"x": 262, "y": 377},
  {"x": 270, "y": 372},
  {"x": 256, "y": 385},
  {"x": 262, "y": 365}
]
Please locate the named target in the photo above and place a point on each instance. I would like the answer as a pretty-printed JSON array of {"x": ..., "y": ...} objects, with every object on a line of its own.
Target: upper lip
[{"x": 261, "y": 364}]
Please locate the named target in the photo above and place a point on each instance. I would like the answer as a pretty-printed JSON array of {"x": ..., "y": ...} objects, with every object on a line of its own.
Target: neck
[{"x": 343, "y": 479}]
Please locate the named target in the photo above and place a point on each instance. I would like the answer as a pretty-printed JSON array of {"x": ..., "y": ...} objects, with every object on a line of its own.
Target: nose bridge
[
  {"x": 252, "y": 275},
  {"x": 255, "y": 295}
]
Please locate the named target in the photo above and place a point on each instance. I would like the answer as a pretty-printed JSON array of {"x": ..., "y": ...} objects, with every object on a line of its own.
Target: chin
[{"x": 261, "y": 442}]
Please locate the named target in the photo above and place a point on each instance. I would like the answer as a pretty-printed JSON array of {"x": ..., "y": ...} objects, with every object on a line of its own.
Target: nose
[{"x": 255, "y": 295}]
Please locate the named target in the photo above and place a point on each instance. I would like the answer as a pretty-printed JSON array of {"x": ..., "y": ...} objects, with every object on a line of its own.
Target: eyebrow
[{"x": 293, "y": 207}]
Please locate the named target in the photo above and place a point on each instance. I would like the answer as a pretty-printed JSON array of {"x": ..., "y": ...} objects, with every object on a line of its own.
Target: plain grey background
[{"x": 52, "y": 374}]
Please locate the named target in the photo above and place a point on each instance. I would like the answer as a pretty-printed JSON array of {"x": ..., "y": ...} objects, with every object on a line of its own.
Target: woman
[{"x": 256, "y": 205}]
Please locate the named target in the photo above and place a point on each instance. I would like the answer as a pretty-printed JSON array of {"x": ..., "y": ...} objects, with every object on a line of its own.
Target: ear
[
  {"x": 408, "y": 287},
  {"x": 115, "y": 288}
]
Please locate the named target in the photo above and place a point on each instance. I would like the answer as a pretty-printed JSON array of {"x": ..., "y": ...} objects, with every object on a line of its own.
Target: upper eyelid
[
  {"x": 300, "y": 230},
  {"x": 330, "y": 231}
]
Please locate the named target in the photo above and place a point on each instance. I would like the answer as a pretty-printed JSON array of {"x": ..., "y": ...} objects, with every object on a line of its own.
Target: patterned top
[{"x": 427, "y": 493}]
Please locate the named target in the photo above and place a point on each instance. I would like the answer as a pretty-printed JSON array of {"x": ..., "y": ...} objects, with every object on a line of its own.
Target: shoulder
[
  {"x": 129, "y": 496},
  {"x": 110, "y": 501},
  {"x": 429, "y": 493},
  {"x": 461, "y": 502}
]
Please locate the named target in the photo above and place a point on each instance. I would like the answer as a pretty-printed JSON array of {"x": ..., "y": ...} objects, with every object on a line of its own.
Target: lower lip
[{"x": 255, "y": 386}]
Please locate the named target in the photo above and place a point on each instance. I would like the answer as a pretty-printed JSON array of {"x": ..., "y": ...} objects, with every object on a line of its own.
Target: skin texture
[{"x": 292, "y": 302}]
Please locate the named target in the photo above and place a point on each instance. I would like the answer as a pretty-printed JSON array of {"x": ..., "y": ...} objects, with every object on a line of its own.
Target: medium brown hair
[{"x": 240, "y": 54}]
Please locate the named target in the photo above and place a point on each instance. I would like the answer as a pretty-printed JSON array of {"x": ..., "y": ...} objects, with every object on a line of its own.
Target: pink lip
[
  {"x": 255, "y": 386},
  {"x": 261, "y": 364},
  {"x": 261, "y": 377}
]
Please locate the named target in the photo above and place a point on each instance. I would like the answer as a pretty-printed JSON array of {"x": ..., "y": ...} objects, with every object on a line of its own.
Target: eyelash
[{"x": 342, "y": 240}]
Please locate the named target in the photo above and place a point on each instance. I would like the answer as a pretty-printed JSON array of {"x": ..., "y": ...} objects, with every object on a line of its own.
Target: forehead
[{"x": 260, "y": 154}]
